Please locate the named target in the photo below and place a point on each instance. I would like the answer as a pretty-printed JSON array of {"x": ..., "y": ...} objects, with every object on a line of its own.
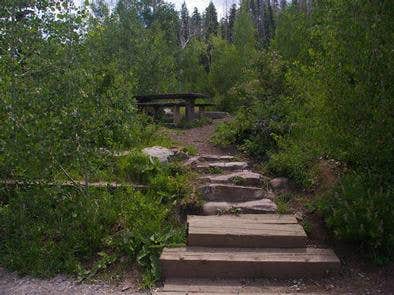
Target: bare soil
[{"x": 200, "y": 138}]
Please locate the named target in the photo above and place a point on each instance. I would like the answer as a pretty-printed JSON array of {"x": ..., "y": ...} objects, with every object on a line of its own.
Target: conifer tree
[
  {"x": 196, "y": 24},
  {"x": 283, "y": 4},
  {"x": 185, "y": 28},
  {"x": 223, "y": 28},
  {"x": 231, "y": 21},
  {"x": 210, "y": 21}
]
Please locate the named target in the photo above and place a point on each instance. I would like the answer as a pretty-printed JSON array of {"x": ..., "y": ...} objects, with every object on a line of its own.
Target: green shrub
[
  {"x": 138, "y": 167},
  {"x": 48, "y": 231},
  {"x": 361, "y": 210}
]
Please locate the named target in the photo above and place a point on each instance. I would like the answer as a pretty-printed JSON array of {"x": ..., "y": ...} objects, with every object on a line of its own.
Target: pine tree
[
  {"x": 231, "y": 21},
  {"x": 196, "y": 24},
  {"x": 283, "y": 4},
  {"x": 210, "y": 21},
  {"x": 223, "y": 28},
  {"x": 275, "y": 6},
  {"x": 261, "y": 27},
  {"x": 185, "y": 28},
  {"x": 269, "y": 22}
]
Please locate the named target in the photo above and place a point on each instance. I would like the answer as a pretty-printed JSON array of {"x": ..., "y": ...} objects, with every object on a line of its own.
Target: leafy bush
[
  {"x": 326, "y": 91},
  {"x": 49, "y": 231},
  {"x": 361, "y": 210},
  {"x": 260, "y": 119}
]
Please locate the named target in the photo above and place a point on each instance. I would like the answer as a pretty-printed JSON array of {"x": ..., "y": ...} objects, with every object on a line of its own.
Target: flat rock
[
  {"x": 203, "y": 159},
  {"x": 230, "y": 193},
  {"x": 252, "y": 207},
  {"x": 161, "y": 153},
  {"x": 215, "y": 158},
  {"x": 221, "y": 166},
  {"x": 244, "y": 177}
]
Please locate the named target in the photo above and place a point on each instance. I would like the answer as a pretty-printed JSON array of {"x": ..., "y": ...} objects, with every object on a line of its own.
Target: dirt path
[{"x": 200, "y": 138}]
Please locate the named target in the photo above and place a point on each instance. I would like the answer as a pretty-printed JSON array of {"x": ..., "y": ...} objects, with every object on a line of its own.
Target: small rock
[
  {"x": 280, "y": 185},
  {"x": 161, "y": 153},
  {"x": 299, "y": 216}
]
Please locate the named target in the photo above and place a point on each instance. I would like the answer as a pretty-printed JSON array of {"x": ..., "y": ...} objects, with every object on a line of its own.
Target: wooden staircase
[{"x": 241, "y": 246}]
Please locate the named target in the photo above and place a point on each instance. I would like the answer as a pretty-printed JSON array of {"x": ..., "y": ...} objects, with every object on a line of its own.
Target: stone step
[
  {"x": 245, "y": 178},
  {"x": 220, "y": 167},
  {"x": 230, "y": 193},
  {"x": 246, "y": 231},
  {"x": 223, "y": 286},
  {"x": 215, "y": 158},
  {"x": 195, "y": 262},
  {"x": 203, "y": 159},
  {"x": 258, "y": 206}
]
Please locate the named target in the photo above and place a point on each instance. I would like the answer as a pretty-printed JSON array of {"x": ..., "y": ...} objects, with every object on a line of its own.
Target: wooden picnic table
[{"x": 174, "y": 101}]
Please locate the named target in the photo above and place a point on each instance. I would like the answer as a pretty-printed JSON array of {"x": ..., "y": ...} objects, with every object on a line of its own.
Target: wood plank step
[
  {"x": 245, "y": 232},
  {"x": 201, "y": 262},
  {"x": 258, "y": 218},
  {"x": 230, "y": 193},
  {"x": 209, "y": 286}
]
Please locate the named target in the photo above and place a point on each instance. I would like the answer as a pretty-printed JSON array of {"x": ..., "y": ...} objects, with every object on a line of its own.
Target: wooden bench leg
[
  {"x": 190, "y": 112},
  {"x": 177, "y": 115},
  {"x": 156, "y": 114},
  {"x": 201, "y": 110}
]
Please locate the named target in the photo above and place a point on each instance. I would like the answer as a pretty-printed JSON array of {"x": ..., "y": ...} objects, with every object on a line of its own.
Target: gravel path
[{"x": 10, "y": 283}]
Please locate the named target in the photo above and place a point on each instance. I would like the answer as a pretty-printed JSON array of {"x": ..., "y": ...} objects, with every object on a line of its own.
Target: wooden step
[
  {"x": 246, "y": 231},
  {"x": 230, "y": 193},
  {"x": 223, "y": 286},
  {"x": 195, "y": 262}
]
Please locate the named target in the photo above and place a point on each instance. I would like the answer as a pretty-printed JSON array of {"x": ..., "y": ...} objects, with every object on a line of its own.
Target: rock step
[
  {"x": 204, "y": 159},
  {"x": 195, "y": 262},
  {"x": 246, "y": 231},
  {"x": 245, "y": 178},
  {"x": 262, "y": 206},
  {"x": 219, "y": 167},
  {"x": 207, "y": 286},
  {"x": 230, "y": 193},
  {"x": 215, "y": 158}
]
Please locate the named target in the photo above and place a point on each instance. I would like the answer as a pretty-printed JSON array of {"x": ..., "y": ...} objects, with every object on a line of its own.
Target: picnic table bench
[{"x": 175, "y": 101}]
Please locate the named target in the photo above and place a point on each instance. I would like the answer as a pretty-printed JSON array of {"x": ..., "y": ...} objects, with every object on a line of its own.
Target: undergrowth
[{"x": 45, "y": 231}]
